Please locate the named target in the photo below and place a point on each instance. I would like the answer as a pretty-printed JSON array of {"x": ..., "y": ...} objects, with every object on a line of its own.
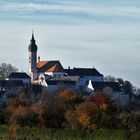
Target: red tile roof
[{"x": 50, "y": 66}]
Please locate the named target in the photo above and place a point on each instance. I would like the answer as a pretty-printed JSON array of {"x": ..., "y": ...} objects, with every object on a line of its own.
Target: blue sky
[{"x": 80, "y": 33}]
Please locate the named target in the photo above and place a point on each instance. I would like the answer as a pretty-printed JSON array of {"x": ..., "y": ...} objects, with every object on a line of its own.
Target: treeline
[
  {"x": 68, "y": 109},
  {"x": 125, "y": 85}
]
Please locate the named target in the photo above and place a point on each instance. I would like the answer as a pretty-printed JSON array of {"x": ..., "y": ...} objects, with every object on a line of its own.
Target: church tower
[{"x": 32, "y": 58}]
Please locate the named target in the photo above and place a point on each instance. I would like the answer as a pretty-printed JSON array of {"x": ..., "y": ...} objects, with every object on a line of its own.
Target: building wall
[
  {"x": 81, "y": 84},
  {"x": 94, "y": 78},
  {"x": 12, "y": 90},
  {"x": 26, "y": 81},
  {"x": 55, "y": 74}
]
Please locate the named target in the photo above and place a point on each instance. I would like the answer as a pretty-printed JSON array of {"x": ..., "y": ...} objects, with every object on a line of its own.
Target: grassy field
[{"x": 65, "y": 134}]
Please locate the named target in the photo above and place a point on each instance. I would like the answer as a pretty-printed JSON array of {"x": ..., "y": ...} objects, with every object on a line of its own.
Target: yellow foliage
[
  {"x": 85, "y": 119},
  {"x": 87, "y": 114}
]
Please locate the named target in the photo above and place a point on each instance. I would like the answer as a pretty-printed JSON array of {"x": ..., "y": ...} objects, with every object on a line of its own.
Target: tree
[
  {"x": 131, "y": 122},
  {"x": 125, "y": 85},
  {"x": 110, "y": 79},
  {"x": 21, "y": 113},
  {"x": 88, "y": 115},
  {"x": 6, "y": 69},
  {"x": 100, "y": 99},
  {"x": 95, "y": 113},
  {"x": 70, "y": 98},
  {"x": 72, "y": 119},
  {"x": 50, "y": 111},
  {"x": 137, "y": 91},
  {"x": 42, "y": 115},
  {"x": 120, "y": 82},
  {"x": 128, "y": 88}
]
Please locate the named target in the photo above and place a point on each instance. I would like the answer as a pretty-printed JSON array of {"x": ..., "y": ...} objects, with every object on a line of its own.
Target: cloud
[{"x": 93, "y": 11}]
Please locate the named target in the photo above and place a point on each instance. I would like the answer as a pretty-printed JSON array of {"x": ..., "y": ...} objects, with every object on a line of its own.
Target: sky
[{"x": 104, "y": 34}]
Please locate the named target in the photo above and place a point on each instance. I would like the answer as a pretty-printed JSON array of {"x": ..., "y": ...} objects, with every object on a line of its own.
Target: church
[
  {"x": 52, "y": 76},
  {"x": 52, "y": 73},
  {"x": 37, "y": 67}
]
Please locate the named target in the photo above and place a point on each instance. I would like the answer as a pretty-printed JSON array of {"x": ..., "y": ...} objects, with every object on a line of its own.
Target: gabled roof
[
  {"x": 83, "y": 72},
  {"x": 19, "y": 75},
  {"x": 99, "y": 86},
  {"x": 50, "y": 66}
]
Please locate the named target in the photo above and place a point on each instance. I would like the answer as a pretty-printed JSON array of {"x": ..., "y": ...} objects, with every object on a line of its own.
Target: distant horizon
[{"x": 103, "y": 34}]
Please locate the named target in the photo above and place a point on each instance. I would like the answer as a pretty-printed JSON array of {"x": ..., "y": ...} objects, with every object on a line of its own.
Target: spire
[
  {"x": 32, "y": 39},
  {"x": 32, "y": 46}
]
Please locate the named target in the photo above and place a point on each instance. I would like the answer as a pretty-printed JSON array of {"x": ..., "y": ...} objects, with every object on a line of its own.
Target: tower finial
[
  {"x": 32, "y": 32},
  {"x": 33, "y": 39}
]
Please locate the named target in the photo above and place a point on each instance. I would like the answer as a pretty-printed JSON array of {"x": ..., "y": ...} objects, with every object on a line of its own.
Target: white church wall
[{"x": 32, "y": 62}]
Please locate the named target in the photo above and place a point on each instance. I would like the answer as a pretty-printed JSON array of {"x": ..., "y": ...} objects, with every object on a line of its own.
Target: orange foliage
[
  {"x": 21, "y": 112},
  {"x": 12, "y": 105},
  {"x": 71, "y": 118},
  {"x": 70, "y": 98},
  {"x": 67, "y": 94},
  {"x": 87, "y": 115},
  {"x": 101, "y": 99},
  {"x": 42, "y": 115}
]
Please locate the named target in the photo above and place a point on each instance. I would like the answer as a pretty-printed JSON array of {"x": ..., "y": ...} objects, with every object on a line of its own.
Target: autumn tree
[
  {"x": 131, "y": 122},
  {"x": 72, "y": 119},
  {"x": 97, "y": 112},
  {"x": 51, "y": 111},
  {"x": 42, "y": 114},
  {"x": 84, "y": 116},
  {"x": 70, "y": 98},
  {"x": 21, "y": 113},
  {"x": 107, "y": 109},
  {"x": 100, "y": 99}
]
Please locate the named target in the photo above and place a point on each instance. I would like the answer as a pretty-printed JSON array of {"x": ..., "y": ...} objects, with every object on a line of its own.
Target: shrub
[{"x": 131, "y": 121}]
